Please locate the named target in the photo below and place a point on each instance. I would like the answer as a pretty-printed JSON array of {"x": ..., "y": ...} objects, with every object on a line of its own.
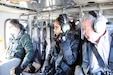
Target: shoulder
[
  {"x": 25, "y": 37},
  {"x": 74, "y": 35}
]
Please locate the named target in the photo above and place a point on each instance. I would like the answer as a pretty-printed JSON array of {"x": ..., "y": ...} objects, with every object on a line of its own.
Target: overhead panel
[
  {"x": 51, "y": 3},
  {"x": 47, "y": 3},
  {"x": 86, "y": 2},
  {"x": 13, "y": 10},
  {"x": 17, "y": 1}
]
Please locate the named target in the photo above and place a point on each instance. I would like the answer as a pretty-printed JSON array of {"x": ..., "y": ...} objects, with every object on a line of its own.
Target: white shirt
[{"x": 103, "y": 48}]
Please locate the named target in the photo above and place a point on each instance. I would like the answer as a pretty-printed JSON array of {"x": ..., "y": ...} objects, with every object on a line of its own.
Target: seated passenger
[
  {"x": 20, "y": 50},
  {"x": 97, "y": 45},
  {"x": 62, "y": 58}
]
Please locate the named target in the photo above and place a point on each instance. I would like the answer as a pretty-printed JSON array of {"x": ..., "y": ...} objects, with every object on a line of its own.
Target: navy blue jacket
[{"x": 64, "y": 54}]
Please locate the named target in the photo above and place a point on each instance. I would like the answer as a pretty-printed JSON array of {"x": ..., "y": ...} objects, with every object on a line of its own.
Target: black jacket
[{"x": 63, "y": 56}]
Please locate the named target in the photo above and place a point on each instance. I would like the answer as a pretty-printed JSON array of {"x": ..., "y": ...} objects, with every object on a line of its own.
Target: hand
[
  {"x": 58, "y": 70},
  {"x": 47, "y": 68},
  {"x": 32, "y": 68},
  {"x": 18, "y": 70}
]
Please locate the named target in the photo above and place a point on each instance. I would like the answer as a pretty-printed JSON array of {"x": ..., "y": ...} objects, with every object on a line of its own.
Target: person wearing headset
[
  {"x": 20, "y": 49},
  {"x": 96, "y": 44},
  {"x": 63, "y": 56}
]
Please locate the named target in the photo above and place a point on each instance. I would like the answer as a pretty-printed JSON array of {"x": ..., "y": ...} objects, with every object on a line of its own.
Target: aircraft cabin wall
[{"x": 3, "y": 17}]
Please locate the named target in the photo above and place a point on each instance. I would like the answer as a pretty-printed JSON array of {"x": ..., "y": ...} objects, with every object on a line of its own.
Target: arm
[
  {"x": 28, "y": 46},
  {"x": 70, "y": 50}
]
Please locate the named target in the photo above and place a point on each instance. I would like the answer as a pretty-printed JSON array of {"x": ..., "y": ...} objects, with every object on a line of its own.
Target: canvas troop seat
[{"x": 39, "y": 46}]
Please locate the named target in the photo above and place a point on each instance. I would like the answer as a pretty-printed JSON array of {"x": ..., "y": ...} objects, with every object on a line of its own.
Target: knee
[
  {"x": 12, "y": 71},
  {"x": 1, "y": 66}
]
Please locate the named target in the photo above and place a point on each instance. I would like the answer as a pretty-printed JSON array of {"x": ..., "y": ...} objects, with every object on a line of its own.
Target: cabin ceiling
[{"x": 56, "y": 7}]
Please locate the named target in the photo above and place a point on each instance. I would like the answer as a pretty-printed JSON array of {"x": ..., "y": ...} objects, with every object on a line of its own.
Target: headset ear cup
[
  {"x": 65, "y": 28},
  {"x": 99, "y": 26},
  {"x": 64, "y": 23}
]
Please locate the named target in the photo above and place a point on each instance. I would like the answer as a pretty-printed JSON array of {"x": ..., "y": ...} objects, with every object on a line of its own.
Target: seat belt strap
[{"x": 99, "y": 58}]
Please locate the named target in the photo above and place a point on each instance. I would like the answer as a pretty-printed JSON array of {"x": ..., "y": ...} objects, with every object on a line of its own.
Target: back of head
[{"x": 16, "y": 23}]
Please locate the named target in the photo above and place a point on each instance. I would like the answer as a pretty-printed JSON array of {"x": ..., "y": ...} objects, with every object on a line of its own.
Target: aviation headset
[
  {"x": 99, "y": 25},
  {"x": 63, "y": 20}
]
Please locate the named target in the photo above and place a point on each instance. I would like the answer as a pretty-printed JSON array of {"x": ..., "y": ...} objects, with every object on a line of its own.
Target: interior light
[{"x": 23, "y": 4}]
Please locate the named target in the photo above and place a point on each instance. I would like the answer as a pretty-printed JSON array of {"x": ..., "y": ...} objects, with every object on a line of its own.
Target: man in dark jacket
[
  {"x": 63, "y": 56},
  {"x": 20, "y": 50}
]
